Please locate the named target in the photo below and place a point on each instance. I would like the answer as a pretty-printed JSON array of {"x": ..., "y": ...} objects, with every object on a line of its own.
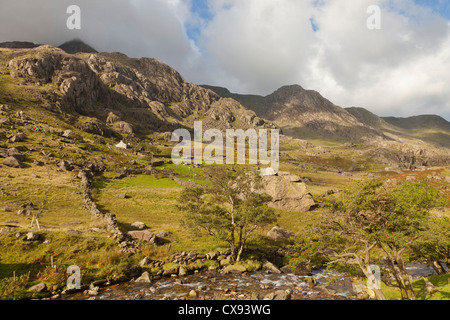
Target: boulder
[
  {"x": 144, "y": 278},
  {"x": 67, "y": 133},
  {"x": 171, "y": 270},
  {"x": 234, "y": 268},
  {"x": 5, "y": 230},
  {"x": 279, "y": 295},
  {"x": 18, "y": 137},
  {"x": 112, "y": 118},
  {"x": 40, "y": 287},
  {"x": 182, "y": 271},
  {"x": 269, "y": 267},
  {"x": 286, "y": 193},
  {"x": 163, "y": 234},
  {"x": 14, "y": 152},
  {"x": 277, "y": 233},
  {"x": 144, "y": 262},
  {"x": 138, "y": 225},
  {"x": 121, "y": 196},
  {"x": 268, "y": 172},
  {"x": 13, "y": 162},
  {"x": 144, "y": 235},
  {"x": 31, "y": 236},
  {"x": 192, "y": 294}
]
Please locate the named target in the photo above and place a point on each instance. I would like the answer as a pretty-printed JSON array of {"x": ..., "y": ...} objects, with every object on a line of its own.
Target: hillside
[
  {"x": 115, "y": 211},
  {"x": 113, "y": 95},
  {"x": 431, "y": 129},
  {"x": 306, "y": 114}
]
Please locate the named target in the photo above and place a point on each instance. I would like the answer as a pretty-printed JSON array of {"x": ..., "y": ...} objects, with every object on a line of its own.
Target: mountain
[
  {"x": 306, "y": 114},
  {"x": 431, "y": 129},
  {"x": 427, "y": 122},
  {"x": 110, "y": 94},
  {"x": 18, "y": 45},
  {"x": 76, "y": 46}
]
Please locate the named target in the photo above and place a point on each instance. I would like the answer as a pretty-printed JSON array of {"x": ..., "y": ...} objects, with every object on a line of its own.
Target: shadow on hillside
[{"x": 7, "y": 269}]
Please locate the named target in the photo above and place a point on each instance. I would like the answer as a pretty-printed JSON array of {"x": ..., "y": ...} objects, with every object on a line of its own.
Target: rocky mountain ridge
[{"x": 114, "y": 92}]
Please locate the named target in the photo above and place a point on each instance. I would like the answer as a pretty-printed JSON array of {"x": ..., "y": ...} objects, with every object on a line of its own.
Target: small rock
[
  {"x": 93, "y": 291},
  {"x": 163, "y": 234},
  {"x": 144, "y": 262},
  {"x": 98, "y": 283},
  {"x": 311, "y": 282},
  {"x": 139, "y": 225},
  {"x": 235, "y": 268},
  {"x": 270, "y": 268},
  {"x": 279, "y": 295},
  {"x": 277, "y": 233},
  {"x": 31, "y": 236},
  {"x": 40, "y": 287},
  {"x": 67, "y": 133},
  {"x": 121, "y": 196},
  {"x": 192, "y": 294},
  {"x": 21, "y": 212},
  {"x": 182, "y": 272},
  {"x": 144, "y": 278},
  {"x": 5, "y": 230}
]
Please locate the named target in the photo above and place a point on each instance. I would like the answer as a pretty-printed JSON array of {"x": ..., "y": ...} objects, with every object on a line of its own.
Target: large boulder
[{"x": 287, "y": 193}]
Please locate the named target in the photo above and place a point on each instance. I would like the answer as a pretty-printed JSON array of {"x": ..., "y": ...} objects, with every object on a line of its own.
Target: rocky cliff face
[{"x": 131, "y": 95}]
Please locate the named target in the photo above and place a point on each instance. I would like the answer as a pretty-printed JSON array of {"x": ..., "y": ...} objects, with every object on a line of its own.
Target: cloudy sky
[{"x": 257, "y": 46}]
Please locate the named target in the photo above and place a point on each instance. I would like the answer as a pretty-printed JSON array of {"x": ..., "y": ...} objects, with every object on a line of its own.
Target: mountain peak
[{"x": 76, "y": 46}]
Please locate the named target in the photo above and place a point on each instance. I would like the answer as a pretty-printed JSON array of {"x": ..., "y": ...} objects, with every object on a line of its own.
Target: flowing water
[{"x": 211, "y": 285}]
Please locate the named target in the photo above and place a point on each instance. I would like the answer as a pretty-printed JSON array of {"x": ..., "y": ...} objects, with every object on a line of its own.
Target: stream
[{"x": 329, "y": 285}]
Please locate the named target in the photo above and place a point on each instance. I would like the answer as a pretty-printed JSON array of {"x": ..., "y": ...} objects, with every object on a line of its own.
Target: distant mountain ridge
[
  {"x": 307, "y": 114},
  {"x": 301, "y": 113},
  {"x": 77, "y": 46}
]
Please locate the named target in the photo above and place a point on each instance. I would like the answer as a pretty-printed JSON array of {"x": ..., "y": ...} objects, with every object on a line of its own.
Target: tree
[
  {"x": 386, "y": 219},
  {"x": 434, "y": 245},
  {"x": 229, "y": 208}
]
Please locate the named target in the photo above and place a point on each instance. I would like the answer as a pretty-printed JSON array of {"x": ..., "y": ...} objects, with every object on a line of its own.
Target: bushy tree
[
  {"x": 390, "y": 219},
  {"x": 229, "y": 208}
]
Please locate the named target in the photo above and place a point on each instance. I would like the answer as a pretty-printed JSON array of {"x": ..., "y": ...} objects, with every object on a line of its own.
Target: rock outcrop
[{"x": 287, "y": 192}]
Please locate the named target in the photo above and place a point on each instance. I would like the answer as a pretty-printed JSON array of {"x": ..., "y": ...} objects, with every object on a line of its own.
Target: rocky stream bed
[{"x": 208, "y": 285}]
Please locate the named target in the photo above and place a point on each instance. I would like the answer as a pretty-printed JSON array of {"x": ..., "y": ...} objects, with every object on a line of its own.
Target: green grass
[
  {"x": 441, "y": 283},
  {"x": 154, "y": 202},
  {"x": 95, "y": 254}
]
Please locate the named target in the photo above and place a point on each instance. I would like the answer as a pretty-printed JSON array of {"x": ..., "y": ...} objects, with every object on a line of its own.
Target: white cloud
[
  {"x": 257, "y": 46},
  {"x": 399, "y": 70}
]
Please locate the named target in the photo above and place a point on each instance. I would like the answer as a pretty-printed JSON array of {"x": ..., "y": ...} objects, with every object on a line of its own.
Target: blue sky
[
  {"x": 439, "y": 6},
  {"x": 200, "y": 9}
]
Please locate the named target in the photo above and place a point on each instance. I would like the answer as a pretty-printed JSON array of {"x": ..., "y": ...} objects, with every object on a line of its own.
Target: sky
[{"x": 257, "y": 46}]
